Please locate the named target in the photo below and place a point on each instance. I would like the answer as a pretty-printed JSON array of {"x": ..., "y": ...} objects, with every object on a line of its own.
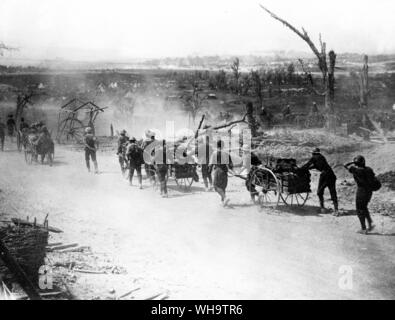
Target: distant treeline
[
  {"x": 253, "y": 61},
  {"x": 20, "y": 69}
]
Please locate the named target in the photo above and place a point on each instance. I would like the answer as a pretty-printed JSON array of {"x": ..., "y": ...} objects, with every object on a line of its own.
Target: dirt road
[{"x": 193, "y": 248}]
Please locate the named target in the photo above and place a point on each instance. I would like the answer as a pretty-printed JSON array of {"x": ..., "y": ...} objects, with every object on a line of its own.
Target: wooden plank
[
  {"x": 46, "y": 294},
  {"x": 54, "y": 244},
  {"x": 89, "y": 271},
  {"x": 128, "y": 293},
  {"x": 154, "y": 297},
  {"x": 77, "y": 249},
  {"x": 65, "y": 246}
]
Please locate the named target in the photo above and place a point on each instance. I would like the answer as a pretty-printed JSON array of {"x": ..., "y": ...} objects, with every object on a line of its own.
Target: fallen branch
[
  {"x": 128, "y": 293},
  {"x": 230, "y": 123},
  {"x": 88, "y": 271},
  {"x": 66, "y": 246}
]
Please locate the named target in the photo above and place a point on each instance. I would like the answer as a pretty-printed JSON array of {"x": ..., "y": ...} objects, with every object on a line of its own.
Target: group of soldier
[
  {"x": 364, "y": 177},
  {"x": 10, "y": 129},
  {"x": 153, "y": 154},
  {"x": 216, "y": 163}
]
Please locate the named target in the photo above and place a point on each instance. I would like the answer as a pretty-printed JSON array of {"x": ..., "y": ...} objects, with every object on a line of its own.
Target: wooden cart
[{"x": 280, "y": 182}]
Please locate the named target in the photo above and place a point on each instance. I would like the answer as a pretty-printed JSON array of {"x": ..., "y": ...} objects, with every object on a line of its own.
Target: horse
[
  {"x": 45, "y": 147},
  {"x": 38, "y": 145}
]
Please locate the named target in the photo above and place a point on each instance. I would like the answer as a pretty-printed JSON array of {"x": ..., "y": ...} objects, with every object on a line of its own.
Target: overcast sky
[{"x": 122, "y": 29}]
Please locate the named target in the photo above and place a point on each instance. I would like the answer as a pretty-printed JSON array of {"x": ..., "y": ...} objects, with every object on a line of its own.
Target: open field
[{"x": 130, "y": 96}]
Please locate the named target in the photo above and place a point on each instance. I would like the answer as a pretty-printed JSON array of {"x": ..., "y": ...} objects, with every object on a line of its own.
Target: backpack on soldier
[
  {"x": 136, "y": 154},
  {"x": 375, "y": 185},
  {"x": 374, "y": 182}
]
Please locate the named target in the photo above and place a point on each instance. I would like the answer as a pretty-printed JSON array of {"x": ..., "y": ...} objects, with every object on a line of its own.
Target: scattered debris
[
  {"x": 20, "y": 222},
  {"x": 383, "y": 208},
  {"x": 28, "y": 246},
  {"x": 20, "y": 275},
  {"x": 43, "y": 295}
]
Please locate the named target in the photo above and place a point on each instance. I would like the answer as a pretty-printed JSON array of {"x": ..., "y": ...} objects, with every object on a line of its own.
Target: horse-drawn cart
[
  {"x": 283, "y": 181},
  {"x": 184, "y": 174},
  {"x": 35, "y": 145}
]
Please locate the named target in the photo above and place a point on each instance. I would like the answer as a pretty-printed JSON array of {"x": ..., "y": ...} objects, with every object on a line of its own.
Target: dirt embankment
[{"x": 381, "y": 159}]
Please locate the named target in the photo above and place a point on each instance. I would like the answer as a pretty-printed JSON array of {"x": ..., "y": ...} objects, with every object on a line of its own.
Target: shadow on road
[
  {"x": 381, "y": 234},
  {"x": 185, "y": 191},
  {"x": 57, "y": 163},
  {"x": 301, "y": 211}
]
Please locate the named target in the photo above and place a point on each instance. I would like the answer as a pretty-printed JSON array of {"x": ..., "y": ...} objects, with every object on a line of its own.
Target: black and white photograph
[{"x": 162, "y": 151}]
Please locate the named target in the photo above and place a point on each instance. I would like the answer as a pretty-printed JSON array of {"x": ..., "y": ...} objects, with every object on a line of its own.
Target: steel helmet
[
  {"x": 123, "y": 132},
  {"x": 360, "y": 161},
  {"x": 88, "y": 130},
  {"x": 132, "y": 139},
  {"x": 316, "y": 151}
]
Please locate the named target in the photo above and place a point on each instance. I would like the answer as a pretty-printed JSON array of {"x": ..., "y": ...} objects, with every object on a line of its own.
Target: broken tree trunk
[
  {"x": 251, "y": 119},
  {"x": 200, "y": 126},
  {"x": 20, "y": 106},
  {"x": 331, "y": 122},
  {"x": 364, "y": 92},
  {"x": 330, "y": 92},
  {"x": 328, "y": 73},
  {"x": 364, "y": 84}
]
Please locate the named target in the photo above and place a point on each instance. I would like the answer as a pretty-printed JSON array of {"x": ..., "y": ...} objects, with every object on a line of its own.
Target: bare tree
[
  {"x": 194, "y": 101},
  {"x": 326, "y": 67},
  {"x": 290, "y": 73},
  {"x": 362, "y": 81},
  {"x": 251, "y": 119},
  {"x": 364, "y": 84},
  {"x": 257, "y": 85},
  {"x": 245, "y": 84},
  {"x": 220, "y": 79},
  {"x": 236, "y": 72}
]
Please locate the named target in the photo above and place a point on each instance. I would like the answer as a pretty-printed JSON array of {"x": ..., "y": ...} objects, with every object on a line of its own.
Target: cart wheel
[
  {"x": 72, "y": 131},
  {"x": 297, "y": 199},
  {"x": 184, "y": 183},
  {"x": 267, "y": 185}
]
